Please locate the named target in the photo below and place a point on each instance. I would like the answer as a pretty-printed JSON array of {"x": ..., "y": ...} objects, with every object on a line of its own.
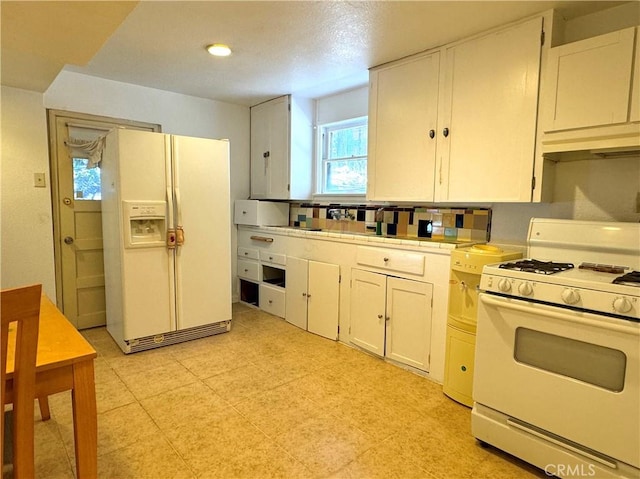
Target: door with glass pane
[{"x": 76, "y": 192}]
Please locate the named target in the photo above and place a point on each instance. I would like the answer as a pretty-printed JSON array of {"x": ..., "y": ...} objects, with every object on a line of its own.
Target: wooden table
[{"x": 65, "y": 362}]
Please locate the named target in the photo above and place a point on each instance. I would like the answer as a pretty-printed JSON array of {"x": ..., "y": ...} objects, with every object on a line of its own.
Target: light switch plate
[{"x": 39, "y": 180}]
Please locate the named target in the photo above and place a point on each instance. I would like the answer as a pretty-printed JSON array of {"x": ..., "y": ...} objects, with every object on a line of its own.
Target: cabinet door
[
  {"x": 279, "y": 149},
  {"x": 296, "y": 292},
  {"x": 408, "y": 328},
  {"x": 260, "y": 150},
  {"x": 368, "y": 300},
  {"x": 590, "y": 81},
  {"x": 488, "y": 115},
  {"x": 634, "y": 115},
  {"x": 323, "y": 299},
  {"x": 403, "y": 111}
]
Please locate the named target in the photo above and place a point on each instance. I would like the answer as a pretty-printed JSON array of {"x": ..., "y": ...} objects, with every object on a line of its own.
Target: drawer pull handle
[
  {"x": 304, "y": 294},
  {"x": 270, "y": 301},
  {"x": 262, "y": 238},
  {"x": 246, "y": 270},
  {"x": 271, "y": 257},
  {"x": 379, "y": 316},
  {"x": 308, "y": 296},
  {"x": 246, "y": 253},
  {"x": 385, "y": 259}
]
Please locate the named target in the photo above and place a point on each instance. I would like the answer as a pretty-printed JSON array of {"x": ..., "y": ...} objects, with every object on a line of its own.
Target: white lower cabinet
[
  {"x": 248, "y": 269},
  {"x": 312, "y": 296},
  {"x": 272, "y": 300},
  {"x": 391, "y": 317}
]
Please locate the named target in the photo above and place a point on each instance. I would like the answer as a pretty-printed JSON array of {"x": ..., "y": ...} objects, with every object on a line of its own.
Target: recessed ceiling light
[{"x": 219, "y": 50}]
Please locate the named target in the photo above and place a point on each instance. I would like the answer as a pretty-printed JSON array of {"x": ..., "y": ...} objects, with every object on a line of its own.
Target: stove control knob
[
  {"x": 504, "y": 285},
  {"x": 570, "y": 296},
  {"x": 525, "y": 289},
  {"x": 621, "y": 305}
]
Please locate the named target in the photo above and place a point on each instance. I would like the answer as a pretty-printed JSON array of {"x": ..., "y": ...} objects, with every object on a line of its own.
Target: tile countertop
[{"x": 369, "y": 238}]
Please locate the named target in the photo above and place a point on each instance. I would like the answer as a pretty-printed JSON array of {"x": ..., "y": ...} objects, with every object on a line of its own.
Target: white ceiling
[{"x": 312, "y": 48}]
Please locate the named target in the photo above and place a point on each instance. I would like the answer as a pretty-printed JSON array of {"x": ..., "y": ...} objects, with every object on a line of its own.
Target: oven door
[{"x": 571, "y": 373}]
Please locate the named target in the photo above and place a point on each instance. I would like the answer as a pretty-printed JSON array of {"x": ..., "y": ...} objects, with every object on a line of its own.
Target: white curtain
[{"x": 89, "y": 149}]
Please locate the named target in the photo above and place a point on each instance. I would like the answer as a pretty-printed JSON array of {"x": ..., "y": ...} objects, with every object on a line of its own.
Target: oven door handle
[{"x": 556, "y": 313}]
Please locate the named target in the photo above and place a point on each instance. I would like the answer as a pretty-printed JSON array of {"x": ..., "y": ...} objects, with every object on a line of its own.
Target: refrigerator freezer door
[
  {"x": 147, "y": 273},
  {"x": 202, "y": 209}
]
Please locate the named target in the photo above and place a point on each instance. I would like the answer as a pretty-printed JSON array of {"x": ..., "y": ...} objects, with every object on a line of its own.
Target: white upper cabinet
[
  {"x": 592, "y": 94},
  {"x": 281, "y": 168},
  {"x": 488, "y": 116},
  {"x": 403, "y": 106},
  {"x": 590, "y": 82},
  {"x": 460, "y": 123}
]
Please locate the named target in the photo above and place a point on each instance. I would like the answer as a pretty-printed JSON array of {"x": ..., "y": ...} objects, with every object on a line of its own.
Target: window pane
[
  {"x": 346, "y": 176},
  {"x": 347, "y": 142},
  {"x": 86, "y": 181}
]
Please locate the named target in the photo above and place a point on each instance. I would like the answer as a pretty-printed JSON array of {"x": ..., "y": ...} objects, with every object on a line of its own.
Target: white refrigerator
[{"x": 167, "y": 238}]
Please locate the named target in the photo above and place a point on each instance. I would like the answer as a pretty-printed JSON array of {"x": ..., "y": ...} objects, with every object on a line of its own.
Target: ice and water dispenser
[
  {"x": 466, "y": 269},
  {"x": 144, "y": 223}
]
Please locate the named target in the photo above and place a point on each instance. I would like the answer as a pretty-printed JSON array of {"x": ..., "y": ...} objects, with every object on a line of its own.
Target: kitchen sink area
[{"x": 371, "y": 236}]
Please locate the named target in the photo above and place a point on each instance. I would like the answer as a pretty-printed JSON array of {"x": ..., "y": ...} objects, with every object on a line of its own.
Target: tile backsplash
[{"x": 459, "y": 224}]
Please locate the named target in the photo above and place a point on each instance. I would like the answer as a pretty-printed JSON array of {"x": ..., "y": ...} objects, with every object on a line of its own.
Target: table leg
[
  {"x": 85, "y": 419},
  {"x": 45, "y": 412}
]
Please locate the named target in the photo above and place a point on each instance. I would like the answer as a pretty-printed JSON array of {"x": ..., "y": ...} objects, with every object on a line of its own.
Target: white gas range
[
  {"x": 585, "y": 286},
  {"x": 557, "y": 373}
]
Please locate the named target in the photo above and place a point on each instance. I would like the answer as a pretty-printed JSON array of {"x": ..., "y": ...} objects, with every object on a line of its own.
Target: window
[
  {"x": 86, "y": 181},
  {"x": 343, "y": 150}
]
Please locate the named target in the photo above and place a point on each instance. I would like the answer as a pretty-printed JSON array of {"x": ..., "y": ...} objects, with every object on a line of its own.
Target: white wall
[
  {"x": 343, "y": 106},
  {"x": 24, "y": 135},
  {"x": 599, "y": 23},
  {"x": 593, "y": 190},
  {"x": 26, "y": 253}
]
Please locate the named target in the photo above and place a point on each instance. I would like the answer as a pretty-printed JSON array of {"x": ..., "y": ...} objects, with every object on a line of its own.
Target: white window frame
[{"x": 321, "y": 143}]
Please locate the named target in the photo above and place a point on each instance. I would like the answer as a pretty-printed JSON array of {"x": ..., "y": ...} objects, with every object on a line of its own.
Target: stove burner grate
[
  {"x": 629, "y": 279},
  {"x": 537, "y": 267},
  {"x": 604, "y": 268}
]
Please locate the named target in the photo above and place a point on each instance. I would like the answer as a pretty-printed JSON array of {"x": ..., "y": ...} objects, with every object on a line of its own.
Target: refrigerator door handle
[
  {"x": 169, "y": 206},
  {"x": 179, "y": 228},
  {"x": 179, "y": 236},
  {"x": 178, "y": 208}
]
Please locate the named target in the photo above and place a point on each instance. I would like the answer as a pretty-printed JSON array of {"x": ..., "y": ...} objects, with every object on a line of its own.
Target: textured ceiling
[
  {"x": 39, "y": 38},
  {"x": 306, "y": 47}
]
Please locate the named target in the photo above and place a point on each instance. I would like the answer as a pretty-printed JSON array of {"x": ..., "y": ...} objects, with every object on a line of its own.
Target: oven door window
[{"x": 598, "y": 365}]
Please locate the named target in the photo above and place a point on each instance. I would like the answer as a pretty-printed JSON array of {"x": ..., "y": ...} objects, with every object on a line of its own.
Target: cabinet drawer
[
  {"x": 248, "y": 269},
  {"x": 272, "y": 300},
  {"x": 391, "y": 260},
  {"x": 248, "y": 253},
  {"x": 275, "y": 258},
  {"x": 261, "y": 213}
]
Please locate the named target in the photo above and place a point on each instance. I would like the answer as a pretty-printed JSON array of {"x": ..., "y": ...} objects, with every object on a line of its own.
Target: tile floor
[{"x": 267, "y": 400}]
